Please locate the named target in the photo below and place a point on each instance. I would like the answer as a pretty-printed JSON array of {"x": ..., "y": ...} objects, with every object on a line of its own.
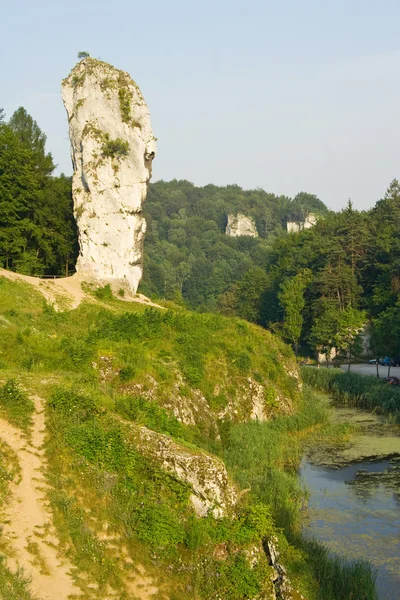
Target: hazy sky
[{"x": 287, "y": 95}]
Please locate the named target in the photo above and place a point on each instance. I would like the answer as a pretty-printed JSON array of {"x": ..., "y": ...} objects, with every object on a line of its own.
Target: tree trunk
[
  {"x": 389, "y": 365},
  {"x": 349, "y": 363},
  {"x": 66, "y": 267},
  {"x": 377, "y": 368}
]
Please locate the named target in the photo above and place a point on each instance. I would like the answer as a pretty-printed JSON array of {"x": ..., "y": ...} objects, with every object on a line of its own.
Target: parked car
[
  {"x": 396, "y": 361},
  {"x": 393, "y": 380},
  {"x": 372, "y": 361},
  {"x": 385, "y": 361}
]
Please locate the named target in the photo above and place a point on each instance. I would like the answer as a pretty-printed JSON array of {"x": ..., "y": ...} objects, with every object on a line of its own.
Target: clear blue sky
[{"x": 287, "y": 95}]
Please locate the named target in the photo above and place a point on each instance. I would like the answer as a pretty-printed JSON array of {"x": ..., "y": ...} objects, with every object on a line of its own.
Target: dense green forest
[
  {"x": 316, "y": 288},
  {"x": 189, "y": 258},
  {"x": 37, "y": 229}
]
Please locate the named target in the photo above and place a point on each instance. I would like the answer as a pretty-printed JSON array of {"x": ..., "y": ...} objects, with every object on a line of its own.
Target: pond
[{"x": 354, "y": 503}]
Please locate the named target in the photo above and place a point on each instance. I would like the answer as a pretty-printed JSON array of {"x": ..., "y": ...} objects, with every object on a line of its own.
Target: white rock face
[
  {"x": 241, "y": 225},
  {"x": 213, "y": 493},
  {"x": 296, "y": 226},
  {"x": 112, "y": 148}
]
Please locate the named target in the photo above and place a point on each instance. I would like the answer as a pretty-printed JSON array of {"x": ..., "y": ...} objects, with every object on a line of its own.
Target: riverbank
[
  {"x": 265, "y": 458},
  {"x": 356, "y": 390},
  {"x": 354, "y": 504}
]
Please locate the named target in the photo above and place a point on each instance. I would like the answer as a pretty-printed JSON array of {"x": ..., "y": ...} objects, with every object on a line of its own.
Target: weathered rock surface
[
  {"x": 249, "y": 400},
  {"x": 297, "y": 226},
  {"x": 241, "y": 225},
  {"x": 212, "y": 491},
  {"x": 281, "y": 582},
  {"x": 112, "y": 148},
  {"x": 255, "y": 402}
]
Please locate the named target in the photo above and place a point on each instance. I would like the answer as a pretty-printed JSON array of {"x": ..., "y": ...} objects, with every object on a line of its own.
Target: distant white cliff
[
  {"x": 296, "y": 226},
  {"x": 241, "y": 225}
]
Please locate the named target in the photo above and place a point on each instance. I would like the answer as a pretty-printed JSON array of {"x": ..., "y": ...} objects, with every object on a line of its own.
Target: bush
[
  {"x": 104, "y": 292},
  {"x": 16, "y": 404},
  {"x": 115, "y": 148},
  {"x": 150, "y": 414},
  {"x": 73, "y": 404}
]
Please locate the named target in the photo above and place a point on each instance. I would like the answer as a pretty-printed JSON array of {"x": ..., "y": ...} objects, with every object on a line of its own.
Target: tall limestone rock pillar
[{"x": 112, "y": 148}]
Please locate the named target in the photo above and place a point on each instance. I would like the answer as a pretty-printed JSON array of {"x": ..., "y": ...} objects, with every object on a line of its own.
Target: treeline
[
  {"x": 323, "y": 285},
  {"x": 37, "y": 229},
  {"x": 188, "y": 256},
  {"x": 316, "y": 288}
]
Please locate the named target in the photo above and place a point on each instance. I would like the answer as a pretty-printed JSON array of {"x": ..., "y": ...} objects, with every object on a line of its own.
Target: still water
[{"x": 355, "y": 509}]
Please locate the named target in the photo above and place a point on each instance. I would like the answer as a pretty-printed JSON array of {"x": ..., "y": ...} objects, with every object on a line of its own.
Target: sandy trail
[
  {"x": 67, "y": 289},
  {"x": 66, "y": 293},
  {"x": 28, "y": 531},
  {"x": 27, "y": 520}
]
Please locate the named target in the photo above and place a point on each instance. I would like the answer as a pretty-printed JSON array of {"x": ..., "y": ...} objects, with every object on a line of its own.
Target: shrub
[
  {"x": 150, "y": 414},
  {"x": 115, "y": 148},
  {"x": 16, "y": 404},
  {"x": 71, "y": 403},
  {"x": 125, "y": 103},
  {"x": 77, "y": 352},
  {"x": 104, "y": 292}
]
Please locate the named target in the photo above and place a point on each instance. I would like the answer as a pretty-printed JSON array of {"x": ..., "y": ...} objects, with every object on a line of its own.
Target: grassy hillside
[{"x": 122, "y": 385}]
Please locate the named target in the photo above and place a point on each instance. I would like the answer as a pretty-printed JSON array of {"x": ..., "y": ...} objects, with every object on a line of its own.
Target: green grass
[
  {"x": 213, "y": 354},
  {"x": 110, "y": 365},
  {"x": 341, "y": 579},
  {"x": 364, "y": 391},
  {"x": 150, "y": 511},
  {"x": 16, "y": 405},
  {"x": 13, "y": 586},
  {"x": 264, "y": 458}
]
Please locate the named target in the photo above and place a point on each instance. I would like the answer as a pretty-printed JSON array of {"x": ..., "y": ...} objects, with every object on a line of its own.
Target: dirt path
[
  {"x": 30, "y": 538},
  {"x": 66, "y": 293},
  {"x": 27, "y": 526}
]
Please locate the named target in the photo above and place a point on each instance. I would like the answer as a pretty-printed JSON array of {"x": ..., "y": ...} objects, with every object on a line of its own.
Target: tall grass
[
  {"x": 356, "y": 390},
  {"x": 13, "y": 586},
  {"x": 264, "y": 458},
  {"x": 16, "y": 405},
  {"x": 339, "y": 578}
]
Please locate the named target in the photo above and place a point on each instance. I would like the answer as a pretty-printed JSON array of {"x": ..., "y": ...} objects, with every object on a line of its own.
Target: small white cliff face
[
  {"x": 296, "y": 226},
  {"x": 112, "y": 148},
  {"x": 241, "y": 225},
  {"x": 212, "y": 491}
]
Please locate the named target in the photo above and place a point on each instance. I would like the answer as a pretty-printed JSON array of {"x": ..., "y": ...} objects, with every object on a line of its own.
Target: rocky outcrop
[
  {"x": 212, "y": 491},
  {"x": 241, "y": 225},
  {"x": 297, "y": 226},
  {"x": 253, "y": 401},
  {"x": 283, "y": 588},
  {"x": 249, "y": 400},
  {"x": 188, "y": 405},
  {"x": 112, "y": 148}
]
